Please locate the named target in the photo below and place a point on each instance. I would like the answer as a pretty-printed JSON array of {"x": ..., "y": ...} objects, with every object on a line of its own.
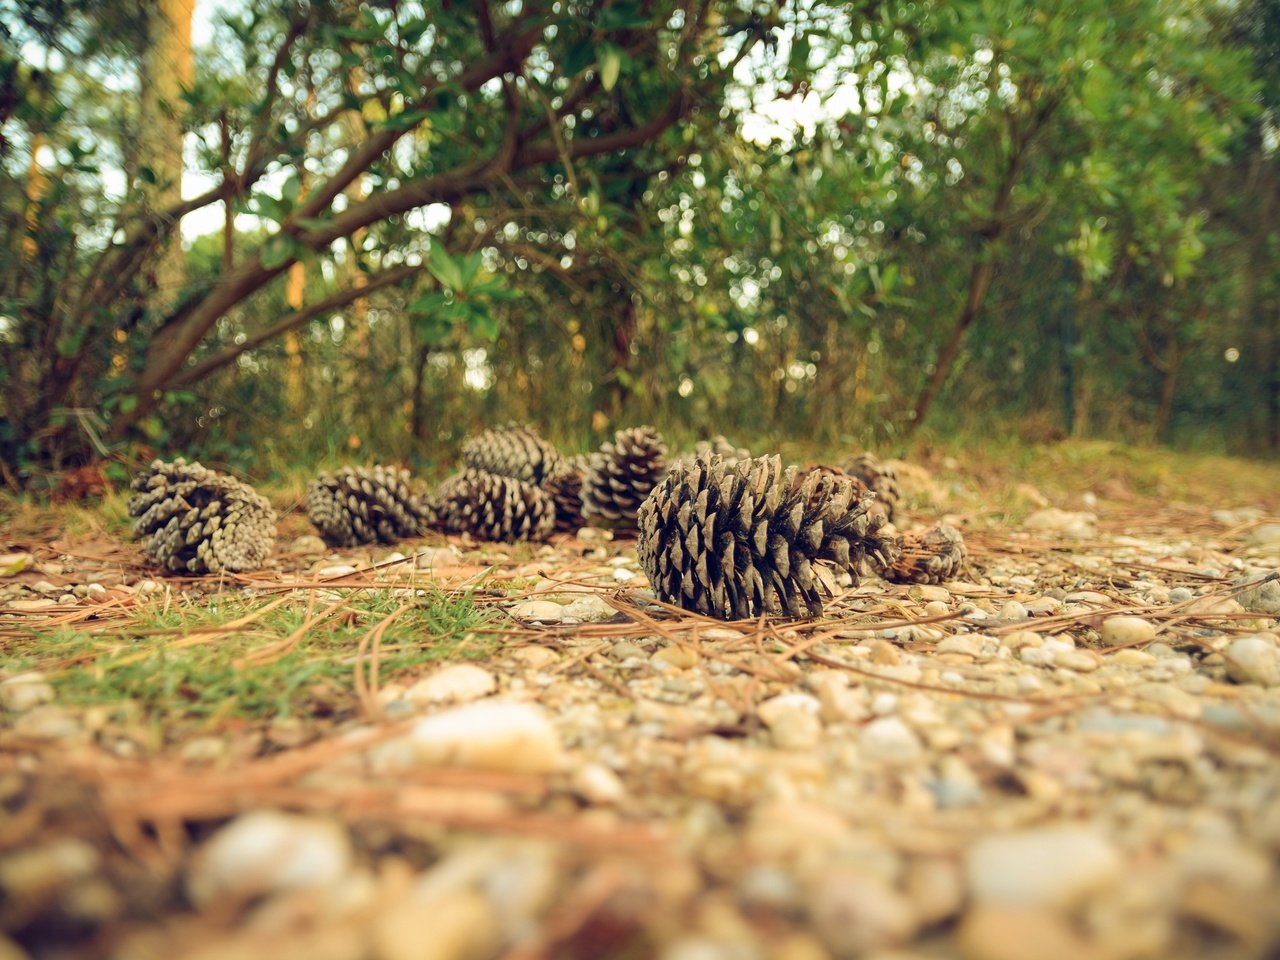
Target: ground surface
[{"x": 451, "y": 750}]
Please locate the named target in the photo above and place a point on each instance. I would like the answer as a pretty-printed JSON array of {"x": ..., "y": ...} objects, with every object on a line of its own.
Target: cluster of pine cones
[{"x": 719, "y": 532}]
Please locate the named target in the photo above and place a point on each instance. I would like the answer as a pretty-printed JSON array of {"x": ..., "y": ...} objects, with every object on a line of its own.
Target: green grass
[{"x": 217, "y": 678}]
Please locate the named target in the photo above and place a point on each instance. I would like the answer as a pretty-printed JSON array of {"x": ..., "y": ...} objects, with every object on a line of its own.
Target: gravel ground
[{"x": 1069, "y": 753}]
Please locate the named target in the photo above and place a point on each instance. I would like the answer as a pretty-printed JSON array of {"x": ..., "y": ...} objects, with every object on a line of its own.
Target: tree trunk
[
  {"x": 167, "y": 69},
  {"x": 1168, "y": 390}
]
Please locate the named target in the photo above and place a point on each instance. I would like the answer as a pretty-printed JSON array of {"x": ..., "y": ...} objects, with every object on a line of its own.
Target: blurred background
[{"x": 271, "y": 234}]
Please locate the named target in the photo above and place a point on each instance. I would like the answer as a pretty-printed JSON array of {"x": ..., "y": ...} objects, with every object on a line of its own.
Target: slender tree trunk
[
  {"x": 1168, "y": 390},
  {"x": 167, "y": 69}
]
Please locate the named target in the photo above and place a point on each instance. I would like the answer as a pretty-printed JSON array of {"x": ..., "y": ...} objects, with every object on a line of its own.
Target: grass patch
[{"x": 297, "y": 659}]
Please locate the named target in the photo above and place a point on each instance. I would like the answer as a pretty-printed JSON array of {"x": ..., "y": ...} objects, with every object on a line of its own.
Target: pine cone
[
  {"x": 355, "y": 505},
  {"x": 859, "y": 485},
  {"x": 620, "y": 475},
  {"x": 882, "y": 480},
  {"x": 929, "y": 556},
  {"x": 512, "y": 451},
  {"x": 564, "y": 486},
  {"x": 733, "y": 541},
  {"x": 493, "y": 507},
  {"x": 197, "y": 520}
]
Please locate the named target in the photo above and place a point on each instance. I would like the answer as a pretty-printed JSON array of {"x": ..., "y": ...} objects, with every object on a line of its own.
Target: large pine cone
[
  {"x": 859, "y": 485},
  {"x": 930, "y": 556},
  {"x": 493, "y": 507},
  {"x": 512, "y": 451},
  {"x": 733, "y": 541},
  {"x": 197, "y": 520},
  {"x": 620, "y": 475},
  {"x": 355, "y": 505},
  {"x": 564, "y": 486},
  {"x": 880, "y": 478}
]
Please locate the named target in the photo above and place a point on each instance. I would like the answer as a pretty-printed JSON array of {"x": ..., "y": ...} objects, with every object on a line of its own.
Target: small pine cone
[
  {"x": 929, "y": 556},
  {"x": 881, "y": 478},
  {"x": 512, "y": 451},
  {"x": 733, "y": 541},
  {"x": 355, "y": 505},
  {"x": 859, "y": 485},
  {"x": 197, "y": 520},
  {"x": 565, "y": 488},
  {"x": 620, "y": 475},
  {"x": 490, "y": 506}
]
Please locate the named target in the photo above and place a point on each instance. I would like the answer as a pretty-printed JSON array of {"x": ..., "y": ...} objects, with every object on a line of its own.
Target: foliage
[{"x": 836, "y": 218}]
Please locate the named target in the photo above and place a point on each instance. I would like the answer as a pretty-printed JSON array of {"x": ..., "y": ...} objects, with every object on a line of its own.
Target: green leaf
[
  {"x": 292, "y": 190},
  {"x": 579, "y": 57},
  {"x": 277, "y": 251},
  {"x": 128, "y": 403},
  {"x": 609, "y": 59},
  {"x": 443, "y": 267},
  {"x": 484, "y": 324}
]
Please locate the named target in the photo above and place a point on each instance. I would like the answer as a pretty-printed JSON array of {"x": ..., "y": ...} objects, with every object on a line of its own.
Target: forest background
[{"x": 273, "y": 234}]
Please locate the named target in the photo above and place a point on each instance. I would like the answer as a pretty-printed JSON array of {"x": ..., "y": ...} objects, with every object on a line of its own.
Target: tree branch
[{"x": 288, "y": 322}]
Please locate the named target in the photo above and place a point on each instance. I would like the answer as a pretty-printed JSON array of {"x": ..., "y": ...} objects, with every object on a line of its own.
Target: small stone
[
  {"x": 11, "y": 564},
  {"x": 437, "y": 925},
  {"x": 796, "y": 730},
  {"x": 590, "y": 609},
  {"x": 890, "y": 740},
  {"x": 268, "y": 852},
  {"x": 775, "y": 707},
  {"x": 1054, "y": 866},
  {"x": 855, "y": 914},
  {"x": 44, "y": 586},
  {"x": 336, "y": 570},
  {"x": 596, "y": 783},
  {"x": 884, "y": 653},
  {"x": 1070, "y": 524},
  {"x": 1180, "y": 595},
  {"x": 535, "y": 658},
  {"x": 23, "y": 691},
  {"x": 491, "y": 735},
  {"x": 1043, "y": 606},
  {"x": 49, "y": 722},
  {"x": 456, "y": 683},
  {"x": 1253, "y": 660},
  {"x": 42, "y": 603},
  {"x": 308, "y": 545},
  {"x": 1013, "y": 610},
  {"x": 1081, "y": 661},
  {"x": 626, "y": 650},
  {"x": 1129, "y": 657},
  {"x": 935, "y": 887},
  {"x": 1127, "y": 631},
  {"x": 40, "y": 870},
  {"x": 538, "y": 611},
  {"x": 203, "y": 749},
  {"x": 1021, "y": 638},
  {"x": 1020, "y": 933},
  {"x": 1264, "y": 535},
  {"x": 149, "y": 586},
  {"x": 962, "y": 643},
  {"x": 681, "y": 658},
  {"x": 930, "y": 593},
  {"x": 936, "y": 608},
  {"x": 1264, "y": 597}
]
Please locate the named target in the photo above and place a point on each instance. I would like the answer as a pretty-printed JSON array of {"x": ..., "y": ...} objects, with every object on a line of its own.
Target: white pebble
[
  {"x": 1126, "y": 631},
  {"x": 456, "y": 683},
  {"x": 337, "y": 570},
  {"x": 23, "y": 691},
  {"x": 775, "y": 707},
  {"x": 1081, "y": 661},
  {"x": 1253, "y": 660},
  {"x": 538, "y": 611},
  {"x": 1013, "y": 610},
  {"x": 1049, "y": 866},
  {"x": 968, "y": 645},
  {"x": 596, "y": 783},
  {"x": 266, "y": 852},
  {"x": 514, "y": 737},
  {"x": 890, "y": 740}
]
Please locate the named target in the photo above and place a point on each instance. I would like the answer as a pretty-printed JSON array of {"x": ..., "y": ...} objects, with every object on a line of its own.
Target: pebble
[
  {"x": 890, "y": 740},
  {"x": 337, "y": 570},
  {"x": 1013, "y": 610},
  {"x": 775, "y": 708},
  {"x": 268, "y": 852},
  {"x": 535, "y": 658},
  {"x": 796, "y": 730},
  {"x": 626, "y": 650},
  {"x": 454, "y": 925},
  {"x": 1253, "y": 660},
  {"x": 1021, "y": 638},
  {"x": 961, "y": 643},
  {"x": 456, "y": 683},
  {"x": 11, "y": 564},
  {"x": 596, "y": 783},
  {"x": 308, "y": 545},
  {"x": 1020, "y": 933},
  {"x": 492, "y": 735},
  {"x": 590, "y": 609},
  {"x": 1131, "y": 657},
  {"x": 43, "y": 869},
  {"x": 1081, "y": 661},
  {"x": 680, "y": 658},
  {"x": 1055, "y": 866},
  {"x": 1263, "y": 598},
  {"x": 538, "y": 611},
  {"x": 1078, "y": 525},
  {"x": 23, "y": 691},
  {"x": 855, "y": 914},
  {"x": 1264, "y": 535},
  {"x": 43, "y": 603},
  {"x": 1127, "y": 631}
]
